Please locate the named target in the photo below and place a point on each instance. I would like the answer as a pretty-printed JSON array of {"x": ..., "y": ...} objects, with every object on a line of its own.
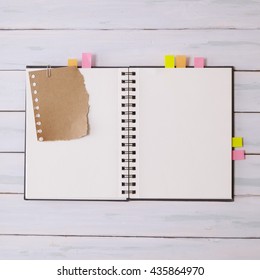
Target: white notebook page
[
  {"x": 184, "y": 120},
  {"x": 86, "y": 168}
]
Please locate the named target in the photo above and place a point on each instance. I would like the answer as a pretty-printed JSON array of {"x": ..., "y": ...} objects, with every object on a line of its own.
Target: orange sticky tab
[
  {"x": 72, "y": 62},
  {"x": 181, "y": 61}
]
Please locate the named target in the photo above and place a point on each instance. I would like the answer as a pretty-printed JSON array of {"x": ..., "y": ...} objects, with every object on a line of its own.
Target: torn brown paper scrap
[{"x": 60, "y": 102}]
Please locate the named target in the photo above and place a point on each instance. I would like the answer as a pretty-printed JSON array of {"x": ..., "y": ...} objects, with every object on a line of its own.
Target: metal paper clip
[{"x": 48, "y": 71}]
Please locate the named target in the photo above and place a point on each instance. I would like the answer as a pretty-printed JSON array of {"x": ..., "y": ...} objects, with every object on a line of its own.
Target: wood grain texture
[
  {"x": 247, "y": 126},
  {"x": 247, "y": 176},
  {"x": 136, "y": 218},
  {"x": 83, "y": 248},
  {"x": 225, "y": 32},
  {"x": 12, "y": 127},
  {"x": 11, "y": 173},
  {"x": 247, "y": 91},
  {"x": 132, "y": 47},
  {"x": 12, "y": 90},
  {"x": 153, "y": 14}
]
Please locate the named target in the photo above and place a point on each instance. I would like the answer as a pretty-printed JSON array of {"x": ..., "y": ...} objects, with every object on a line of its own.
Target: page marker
[
  {"x": 237, "y": 142},
  {"x": 181, "y": 61},
  {"x": 199, "y": 62},
  {"x": 72, "y": 62},
  {"x": 86, "y": 60},
  {"x": 238, "y": 154},
  {"x": 169, "y": 61}
]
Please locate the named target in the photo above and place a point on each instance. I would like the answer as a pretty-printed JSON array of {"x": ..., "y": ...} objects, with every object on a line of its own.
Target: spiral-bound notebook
[{"x": 154, "y": 133}]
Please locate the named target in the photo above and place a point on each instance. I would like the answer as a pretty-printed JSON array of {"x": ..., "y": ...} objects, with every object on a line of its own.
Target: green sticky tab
[
  {"x": 237, "y": 142},
  {"x": 169, "y": 61}
]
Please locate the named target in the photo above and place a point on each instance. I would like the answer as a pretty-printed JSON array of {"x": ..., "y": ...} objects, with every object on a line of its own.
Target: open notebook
[{"x": 155, "y": 133}]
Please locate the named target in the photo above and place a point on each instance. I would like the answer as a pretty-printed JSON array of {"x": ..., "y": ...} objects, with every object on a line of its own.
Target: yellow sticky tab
[
  {"x": 72, "y": 62},
  {"x": 237, "y": 142},
  {"x": 181, "y": 61},
  {"x": 169, "y": 61}
]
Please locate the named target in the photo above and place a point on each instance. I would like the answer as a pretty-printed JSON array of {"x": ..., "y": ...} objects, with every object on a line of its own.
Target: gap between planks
[
  {"x": 131, "y": 29},
  {"x": 130, "y": 236},
  {"x": 22, "y": 193}
]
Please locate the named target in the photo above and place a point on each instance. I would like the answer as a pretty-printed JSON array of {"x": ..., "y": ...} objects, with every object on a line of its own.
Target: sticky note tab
[
  {"x": 72, "y": 62},
  {"x": 169, "y": 61},
  {"x": 86, "y": 60},
  {"x": 199, "y": 62},
  {"x": 238, "y": 154},
  {"x": 181, "y": 61},
  {"x": 237, "y": 142}
]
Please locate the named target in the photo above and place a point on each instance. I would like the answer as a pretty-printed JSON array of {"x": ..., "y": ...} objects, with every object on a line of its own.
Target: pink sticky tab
[
  {"x": 86, "y": 60},
  {"x": 199, "y": 62},
  {"x": 238, "y": 154}
]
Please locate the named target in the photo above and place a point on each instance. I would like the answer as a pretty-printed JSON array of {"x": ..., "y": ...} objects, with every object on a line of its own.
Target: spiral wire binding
[{"x": 128, "y": 149}]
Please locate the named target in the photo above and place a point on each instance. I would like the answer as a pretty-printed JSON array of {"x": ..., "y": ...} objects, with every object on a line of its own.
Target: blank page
[
  {"x": 85, "y": 168},
  {"x": 184, "y": 121}
]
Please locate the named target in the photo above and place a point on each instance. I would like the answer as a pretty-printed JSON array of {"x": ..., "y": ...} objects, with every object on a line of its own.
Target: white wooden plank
[
  {"x": 130, "y": 14},
  {"x": 247, "y": 126},
  {"x": 136, "y": 218},
  {"x": 134, "y": 47},
  {"x": 12, "y": 90},
  {"x": 12, "y": 131},
  {"x": 12, "y": 173},
  {"x": 247, "y": 176},
  {"x": 86, "y": 248},
  {"x": 247, "y": 179},
  {"x": 247, "y": 91}
]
